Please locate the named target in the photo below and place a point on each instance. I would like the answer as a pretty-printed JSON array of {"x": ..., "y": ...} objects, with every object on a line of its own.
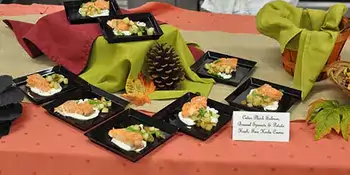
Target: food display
[
  {"x": 264, "y": 96},
  {"x": 94, "y": 8},
  {"x": 47, "y": 86},
  {"x": 198, "y": 113},
  {"x": 134, "y": 137},
  {"x": 222, "y": 67},
  {"x": 127, "y": 27},
  {"x": 84, "y": 109}
]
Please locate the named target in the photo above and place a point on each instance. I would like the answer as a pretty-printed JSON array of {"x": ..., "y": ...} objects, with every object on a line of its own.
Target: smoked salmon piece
[
  {"x": 39, "y": 82},
  {"x": 89, "y": 4},
  {"x": 102, "y": 4},
  {"x": 72, "y": 106},
  {"x": 188, "y": 109},
  {"x": 93, "y": 8},
  {"x": 232, "y": 62},
  {"x": 222, "y": 65},
  {"x": 200, "y": 100},
  {"x": 133, "y": 139},
  {"x": 269, "y": 91},
  {"x": 192, "y": 107},
  {"x": 118, "y": 24}
]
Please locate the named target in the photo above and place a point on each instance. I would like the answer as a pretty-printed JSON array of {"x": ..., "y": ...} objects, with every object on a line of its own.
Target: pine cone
[{"x": 164, "y": 67}]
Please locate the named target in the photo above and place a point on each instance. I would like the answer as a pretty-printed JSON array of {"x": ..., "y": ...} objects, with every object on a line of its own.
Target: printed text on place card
[{"x": 261, "y": 126}]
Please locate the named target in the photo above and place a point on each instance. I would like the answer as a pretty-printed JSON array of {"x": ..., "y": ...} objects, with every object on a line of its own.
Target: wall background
[{"x": 187, "y": 4}]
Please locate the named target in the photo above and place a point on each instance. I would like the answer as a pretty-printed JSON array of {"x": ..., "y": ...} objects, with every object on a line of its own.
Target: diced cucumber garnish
[
  {"x": 105, "y": 110},
  {"x": 49, "y": 78},
  {"x": 150, "y": 31},
  {"x": 65, "y": 81},
  {"x": 101, "y": 106},
  {"x": 56, "y": 85},
  {"x": 109, "y": 103},
  {"x": 126, "y": 20}
]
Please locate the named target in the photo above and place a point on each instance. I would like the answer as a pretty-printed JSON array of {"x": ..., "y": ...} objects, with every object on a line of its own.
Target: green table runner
[{"x": 110, "y": 65}]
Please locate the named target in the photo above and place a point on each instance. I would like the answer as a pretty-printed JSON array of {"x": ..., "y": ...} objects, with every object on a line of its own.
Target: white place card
[{"x": 261, "y": 126}]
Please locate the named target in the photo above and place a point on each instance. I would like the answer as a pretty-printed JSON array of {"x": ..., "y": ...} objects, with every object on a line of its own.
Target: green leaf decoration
[
  {"x": 329, "y": 115},
  {"x": 345, "y": 124}
]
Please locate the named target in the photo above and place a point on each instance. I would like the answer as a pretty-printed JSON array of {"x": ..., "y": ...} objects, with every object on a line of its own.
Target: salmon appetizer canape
[
  {"x": 197, "y": 112},
  {"x": 46, "y": 86},
  {"x": 222, "y": 67},
  {"x": 127, "y": 27},
  {"x": 134, "y": 137},
  {"x": 86, "y": 109},
  {"x": 95, "y": 9},
  {"x": 265, "y": 96}
]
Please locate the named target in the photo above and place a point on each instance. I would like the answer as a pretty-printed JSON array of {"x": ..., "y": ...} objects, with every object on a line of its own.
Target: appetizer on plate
[
  {"x": 134, "y": 137},
  {"x": 127, "y": 27},
  {"x": 47, "y": 86},
  {"x": 95, "y": 8},
  {"x": 222, "y": 67},
  {"x": 197, "y": 112},
  {"x": 265, "y": 96},
  {"x": 84, "y": 109}
]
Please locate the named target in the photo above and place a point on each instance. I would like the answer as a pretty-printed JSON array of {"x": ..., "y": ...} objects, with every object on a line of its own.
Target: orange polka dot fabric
[
  {"x": 40, "y": 144},
  {"x": 43, "y": 145}
]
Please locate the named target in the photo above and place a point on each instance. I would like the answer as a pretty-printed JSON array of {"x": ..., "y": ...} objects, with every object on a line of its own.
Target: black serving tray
[
  {"x": 147, "y": 18},
  {"x": 170, "y": 115},
  {"x": 74, "y": 82},
  {"x": 72, "y": 11},
  {"x": 118, "y": 105},
  {"x": 244, "y": 68},
  {"x": 290, "y": 96},
  {"x": 99, "y": 134}
]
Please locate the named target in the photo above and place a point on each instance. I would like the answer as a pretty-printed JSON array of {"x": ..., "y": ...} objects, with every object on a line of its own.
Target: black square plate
[
  {"x": 290, "y": 96},
  {"x": 74, "y": 82},
  {"x": 244, "y": 68},
  {"x": 100, "y": 136},
  {"x": 72, "y": 11},
  {"x": 118, "y": 105},
  {"x": 170, "y": 115},
  {"x": 147, "y": 18}
]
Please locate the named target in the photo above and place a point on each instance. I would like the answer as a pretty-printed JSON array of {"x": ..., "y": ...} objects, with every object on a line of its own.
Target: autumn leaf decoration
[
  {"x": 329, "y": 115},
  {"x": 138, "y": 89}
]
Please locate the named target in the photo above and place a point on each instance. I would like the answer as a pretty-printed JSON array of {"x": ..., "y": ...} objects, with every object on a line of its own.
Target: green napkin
[
  {"x": 110, "y": 65},
  {"x": 312, "y": 33}
]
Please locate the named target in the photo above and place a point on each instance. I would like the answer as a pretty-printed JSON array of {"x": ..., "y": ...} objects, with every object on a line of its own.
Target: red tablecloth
[{"x": 42, "y": 145}]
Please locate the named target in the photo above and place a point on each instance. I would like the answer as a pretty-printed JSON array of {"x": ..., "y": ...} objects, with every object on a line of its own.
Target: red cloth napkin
[{"x": 67, "y": 45}]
